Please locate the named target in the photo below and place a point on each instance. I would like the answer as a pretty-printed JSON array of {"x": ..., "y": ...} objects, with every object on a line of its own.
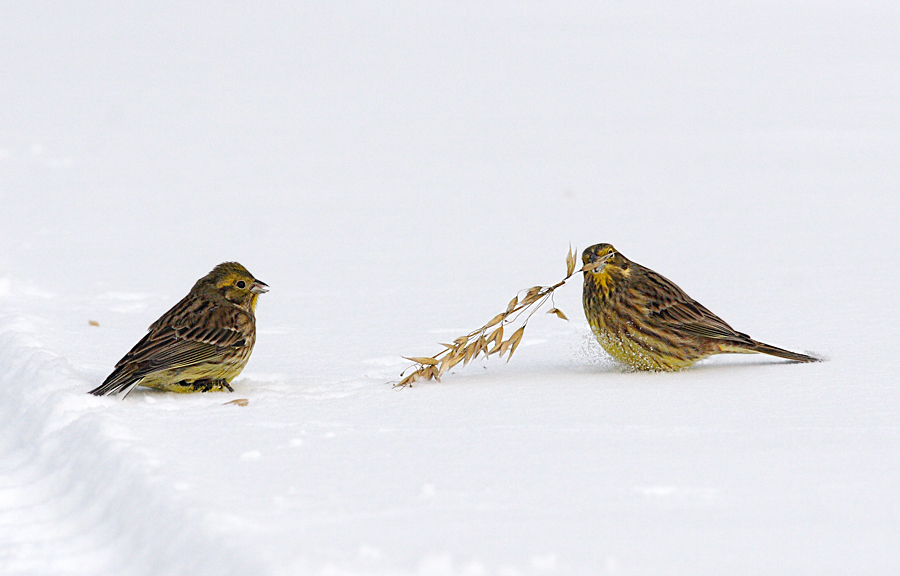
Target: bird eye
[{"x": 241, "y": 284}]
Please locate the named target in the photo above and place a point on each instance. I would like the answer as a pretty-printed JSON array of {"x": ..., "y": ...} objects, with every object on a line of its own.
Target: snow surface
[{"x": 396, "y": 172}]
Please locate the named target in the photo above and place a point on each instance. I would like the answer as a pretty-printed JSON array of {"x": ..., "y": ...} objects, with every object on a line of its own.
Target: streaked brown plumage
[
  {"x": 645, "y": 321},
  {"x": 201, "y": 344}
]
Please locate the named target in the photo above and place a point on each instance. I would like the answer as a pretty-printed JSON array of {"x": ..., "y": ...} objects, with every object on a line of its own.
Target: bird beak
[{"x": 259, "y": 287}]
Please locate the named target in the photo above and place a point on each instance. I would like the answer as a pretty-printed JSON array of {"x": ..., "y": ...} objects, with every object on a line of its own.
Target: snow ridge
[{"x": 74, "y": 497}]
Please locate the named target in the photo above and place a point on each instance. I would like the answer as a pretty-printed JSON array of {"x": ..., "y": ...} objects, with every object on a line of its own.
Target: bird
[
  {"x": 201, "y": 344},
  {"x": 646, "y": 322}
]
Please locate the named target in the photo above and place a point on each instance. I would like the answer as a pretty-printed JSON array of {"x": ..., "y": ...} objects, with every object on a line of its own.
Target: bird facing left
[{"x": 201, "y": 344}]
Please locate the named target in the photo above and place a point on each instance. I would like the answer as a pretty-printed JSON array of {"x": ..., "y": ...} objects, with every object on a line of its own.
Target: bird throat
[{"x": 605, "y": 281}]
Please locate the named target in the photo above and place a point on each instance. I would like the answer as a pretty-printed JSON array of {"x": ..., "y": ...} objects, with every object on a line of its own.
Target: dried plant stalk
[{"x": 488, "y": 340}]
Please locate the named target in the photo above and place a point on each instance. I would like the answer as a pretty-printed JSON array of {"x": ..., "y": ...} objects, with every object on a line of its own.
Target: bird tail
[
  {"x": 780, "y": 352},
  {"x": 119, "y": 381}
]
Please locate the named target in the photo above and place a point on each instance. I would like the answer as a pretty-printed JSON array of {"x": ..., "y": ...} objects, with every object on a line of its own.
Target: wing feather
[
  {"x": 194, "y": 332},
  {"x": 671, "y": 305}
]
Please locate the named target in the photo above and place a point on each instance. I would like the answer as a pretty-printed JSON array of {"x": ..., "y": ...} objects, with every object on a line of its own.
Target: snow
[{"x": 396, "y": 172}]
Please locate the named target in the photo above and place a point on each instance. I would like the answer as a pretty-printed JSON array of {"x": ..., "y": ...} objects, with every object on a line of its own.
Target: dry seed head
[
  {"x": 570, "y": 262},
  {"x": 464, "y": 348},
  {"x": 514, "y": 341},
  {"x": 558, "y": 312},
  {"x": 495, "y": 320},
  {"x": 482, "y": 345},
  {"x": 471, "y": 349},
  {"x": 445, "y": 365},
  {"x": 531, "y": 298},
  {"x": 495, "y": 338},
  {"x": 422, "y": 360},
  {"x": 454, "y": 359},
  {"x": 408, "y": 381}
]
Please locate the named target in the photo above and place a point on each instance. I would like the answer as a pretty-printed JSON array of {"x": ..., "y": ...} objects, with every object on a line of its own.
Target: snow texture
[{"x": 396, "y": 172}]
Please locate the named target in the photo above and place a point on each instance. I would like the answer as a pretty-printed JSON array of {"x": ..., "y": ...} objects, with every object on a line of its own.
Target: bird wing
[
  {"x": 194, "y": 339},
  {"x": 195, "y": 331},
  {"x": 671, "y": 305}
]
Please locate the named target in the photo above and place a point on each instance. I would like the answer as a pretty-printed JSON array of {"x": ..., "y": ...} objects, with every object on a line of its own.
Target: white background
[{"x": 396, "y": 172}]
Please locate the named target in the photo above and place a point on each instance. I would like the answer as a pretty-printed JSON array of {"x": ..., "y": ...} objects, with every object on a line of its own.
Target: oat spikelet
[
  {"x": 558, "y": 312},
  {"x": 488, "y": 340}
]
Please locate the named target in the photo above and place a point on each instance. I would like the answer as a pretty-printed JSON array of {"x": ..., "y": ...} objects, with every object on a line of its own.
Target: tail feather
[
  {"x": 781, "y": 352},
  {"x": 118, "y": 381}
]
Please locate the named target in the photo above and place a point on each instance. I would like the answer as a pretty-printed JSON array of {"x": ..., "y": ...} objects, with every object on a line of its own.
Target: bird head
[
  {"x": 602, "y": 262},
  {"x": 236, "y": 284}
]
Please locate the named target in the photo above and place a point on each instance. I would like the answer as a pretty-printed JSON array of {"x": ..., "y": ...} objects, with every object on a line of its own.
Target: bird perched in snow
[
  {"x": 647, "y": 322},
  {"x": 201, "y": 344}
]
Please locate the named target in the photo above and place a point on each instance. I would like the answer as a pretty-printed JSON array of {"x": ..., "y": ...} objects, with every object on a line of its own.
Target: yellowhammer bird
[
  {"x": 647, "y": 322},
  {"x": 201, "y": 344}
]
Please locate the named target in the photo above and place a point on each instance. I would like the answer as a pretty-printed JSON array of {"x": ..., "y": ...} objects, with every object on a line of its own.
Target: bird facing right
[
  {"x": 645, "y": 321},
  {"x": 201, "y": 344}
]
